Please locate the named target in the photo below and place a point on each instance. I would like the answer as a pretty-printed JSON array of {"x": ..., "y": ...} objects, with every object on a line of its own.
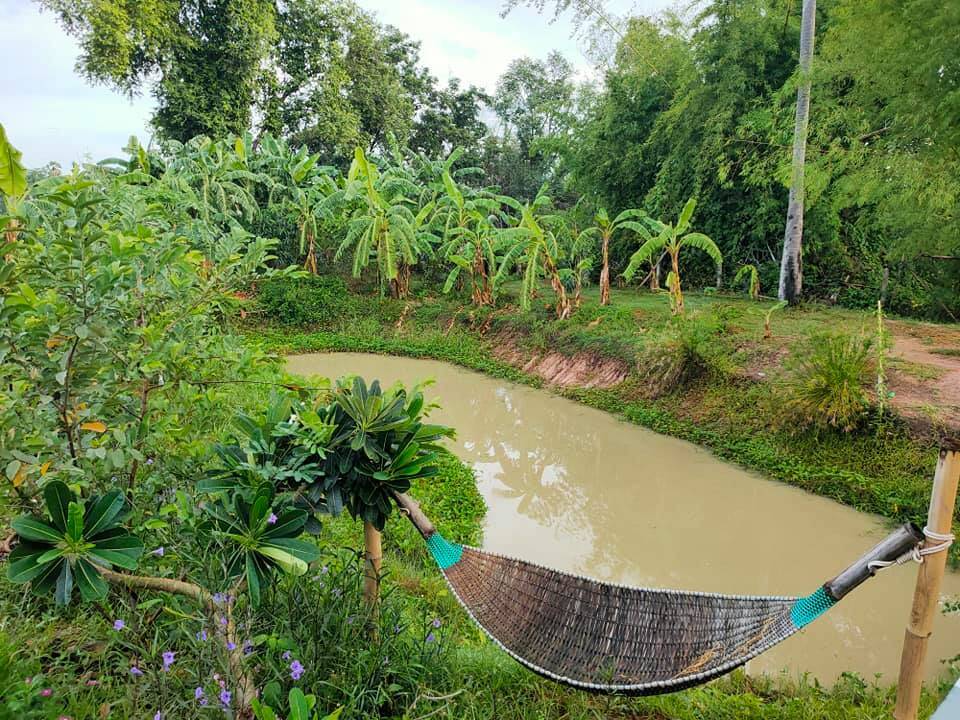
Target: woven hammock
[{"x": 610, "y": 638}]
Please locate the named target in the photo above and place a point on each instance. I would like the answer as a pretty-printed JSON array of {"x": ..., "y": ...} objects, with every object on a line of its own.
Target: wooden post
[
  {"x": 371, "y": 581},
  {"x": 926, "y": 597}
]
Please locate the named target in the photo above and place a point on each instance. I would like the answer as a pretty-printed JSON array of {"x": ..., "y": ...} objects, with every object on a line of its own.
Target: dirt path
[{"x": 926, "y": 383}]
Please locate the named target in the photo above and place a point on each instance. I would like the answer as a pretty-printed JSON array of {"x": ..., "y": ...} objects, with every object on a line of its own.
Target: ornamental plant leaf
[{"x": 65, "y": 552}]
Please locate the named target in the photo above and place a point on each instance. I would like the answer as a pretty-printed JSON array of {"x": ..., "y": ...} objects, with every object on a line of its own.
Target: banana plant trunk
[
  {"x": 605, "y": 273},
  {"x": 675, "y": 284},
  {"x": 791, "y": 262}
]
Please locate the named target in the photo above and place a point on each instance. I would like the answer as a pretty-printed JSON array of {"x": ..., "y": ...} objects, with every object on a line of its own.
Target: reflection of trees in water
[{"x": 531, "y": 459}]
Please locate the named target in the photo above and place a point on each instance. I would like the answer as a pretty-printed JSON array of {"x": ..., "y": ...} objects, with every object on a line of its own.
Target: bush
[
  {"x": 315, "y": 300},
  {"x": 827, "y": 381},
  {"x": 694, "y": 348}
]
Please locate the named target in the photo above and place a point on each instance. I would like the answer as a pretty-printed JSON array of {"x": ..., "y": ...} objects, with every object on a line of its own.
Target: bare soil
[
  {"x": 926, "y": 384},
  {"x": 583, "y": 369}
]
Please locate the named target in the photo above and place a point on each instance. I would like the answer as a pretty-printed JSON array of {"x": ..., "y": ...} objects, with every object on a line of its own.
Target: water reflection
[{"x": 574, "y": 488}]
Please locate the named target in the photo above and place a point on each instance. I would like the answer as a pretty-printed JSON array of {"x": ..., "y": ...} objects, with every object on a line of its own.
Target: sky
[{"x": 51, "y": 113}]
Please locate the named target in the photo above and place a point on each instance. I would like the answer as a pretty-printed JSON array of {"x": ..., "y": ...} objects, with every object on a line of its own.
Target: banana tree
[
  {"x": 750, "y": 274},
  {"x": 542, "y": 253},
  {"x": 383, "y": 226},
  {"x": 74, "y": 545},
  {"x": 301, "y": 186},
  {"x": 605, "y": 229},
  {"x": 13, "y": 184},
  {"x": 672, "y": 239}
]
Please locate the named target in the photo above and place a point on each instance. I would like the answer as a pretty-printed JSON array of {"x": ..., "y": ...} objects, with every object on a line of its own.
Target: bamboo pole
[
  {"x": 927, "y": 594},
  {"x": 373, "y": 555}
]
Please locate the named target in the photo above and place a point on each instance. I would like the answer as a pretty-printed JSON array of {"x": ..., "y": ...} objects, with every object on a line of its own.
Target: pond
[{"x": 574, "y": 488}]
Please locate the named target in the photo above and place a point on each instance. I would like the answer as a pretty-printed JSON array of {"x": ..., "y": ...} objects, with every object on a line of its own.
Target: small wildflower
[
  {"x": 225, "y": 697},
  {"x": 150, "y": 462},
  {"x": 135, "y": 671},
  {"x": 397, "y": 629},
  {"x": 386, "y": 660},
  {"x": 198, "y": 693},
  {"x": 324, "y": 570},
  {"x": 46, "y": 692},
  {"x": 350, "y": 620},
  {"x": 296, "y": 669},
  {"x": 63, "y": 717},
  {"x": 158, "y": 552},
  {"x": 337, "y": 592},
  {"x": 430, "y": 638},
  {"x": 119, "y": 624},
  {"x": 231, "y": 646},
  {"x": 219, "y": 598},
  {"x": 286, "y": 655},
  {"x": 92, "y": 683},
  {"x": 436, "y": 622},
  {"x": 247, "y": 647},
  {"x": 168, "y": 658},
  {"x": 28, "y": 680},
  {"x": 272, "y": 520},
  {"x": 223, "y": 621},
  {"x": 216, "y": 676},
  {"x": 158, "y": 716},
  {"x": 202, "y": 636}
]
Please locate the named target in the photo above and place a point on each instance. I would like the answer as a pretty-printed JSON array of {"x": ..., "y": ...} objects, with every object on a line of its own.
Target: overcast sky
[{"x": 51, "y": 113}]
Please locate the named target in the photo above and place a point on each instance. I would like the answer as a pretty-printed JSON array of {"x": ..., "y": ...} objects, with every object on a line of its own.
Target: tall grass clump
[{"x": 827, "y": 381}]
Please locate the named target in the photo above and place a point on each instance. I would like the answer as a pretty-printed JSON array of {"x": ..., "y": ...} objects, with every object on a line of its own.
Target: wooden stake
[
  {"x": 926, "y": 597},
  {"x": 371, "y": 582}
]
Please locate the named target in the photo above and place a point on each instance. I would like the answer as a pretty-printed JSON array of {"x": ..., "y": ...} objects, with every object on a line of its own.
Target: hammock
[{"x": 610, "y": 638}]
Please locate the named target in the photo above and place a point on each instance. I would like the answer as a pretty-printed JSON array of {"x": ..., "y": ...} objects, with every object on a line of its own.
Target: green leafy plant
[
  {"x": 605, "y": 229},
  {"x": 672, "y": 239},
  {"x": 70, "y": 545},
  {"x": 542, "y": 255},
  {"x": 301, "y": 707},
  {"x": 750, "y": 274},
  {"x": 827, "y": 381},
  {"x": 767, "y": 332},
  {"x": 260, "y": 537},
  {"x": 381, "y": 445}
]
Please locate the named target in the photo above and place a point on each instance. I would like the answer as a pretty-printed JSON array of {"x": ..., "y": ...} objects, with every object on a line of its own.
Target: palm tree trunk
[
  {"x": 605, "y": 273},
  {"x": 791, "y": 263}
]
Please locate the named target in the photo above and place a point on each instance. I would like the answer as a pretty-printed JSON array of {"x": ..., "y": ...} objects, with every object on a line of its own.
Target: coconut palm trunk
[{"x": 791, "y": 263}]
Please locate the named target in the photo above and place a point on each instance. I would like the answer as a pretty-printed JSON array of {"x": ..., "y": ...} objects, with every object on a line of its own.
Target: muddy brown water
[{"x": 574, "y": 488}]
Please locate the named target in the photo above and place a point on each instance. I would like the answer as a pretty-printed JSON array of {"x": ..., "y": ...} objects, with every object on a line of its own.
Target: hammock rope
[{"x": 611, "y": 638}]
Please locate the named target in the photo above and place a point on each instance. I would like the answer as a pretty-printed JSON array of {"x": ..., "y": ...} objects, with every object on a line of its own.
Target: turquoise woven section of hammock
[{"x": 604, "y": 637}]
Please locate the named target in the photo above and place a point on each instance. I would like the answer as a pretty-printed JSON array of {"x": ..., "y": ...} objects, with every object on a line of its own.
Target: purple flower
[
  {"x": 296, "y": 669},
  {"x": 168, "y": 658},
  {"x": 272, "y": 520},
  {"x": 47, "y": 692},
  {"x": 158, "y": 552},
  {"x": 223, "y": 621},
  {"x": 198, "y": 693},
  {"x": 135, "y": 671},
  {"x": 150, "y": 462},
  {"x": 202, "y": 636},
  {"x": 219, "y": 598},
  {"x": 231, "y": 646},
  {"x": 324, "y": 570},
  {"x": 158, "y": 716},
  {"x": 286, "y": 655},
  {"x": 436, "y": 622},
  {"x": 247, "y": 647},
  {"x": 225, "y": 697},
  {"x": 397, "y": 629},
  {"x": 119, "y": 624},
  {"x": 430, "y": 638}
]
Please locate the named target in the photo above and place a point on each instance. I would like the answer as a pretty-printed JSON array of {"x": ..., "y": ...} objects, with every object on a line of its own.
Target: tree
[
  {"x": 205, "y": 54},
  {"x": 605, "y": 230},
  {"x": 338, "y": 79},
  {"x": 382, "y": 224},
  {"x": 542, "y": 253},
  {"x": 451, "y": 119},
  {"x": 791, "y": 263},
  {"x": 672, "y": 240}
]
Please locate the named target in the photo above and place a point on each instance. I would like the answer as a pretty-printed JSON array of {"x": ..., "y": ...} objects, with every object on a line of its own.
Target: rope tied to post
[{"x": 944, "y": 540}]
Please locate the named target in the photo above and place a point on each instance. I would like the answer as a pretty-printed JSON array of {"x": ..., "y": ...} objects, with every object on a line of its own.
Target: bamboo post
[
  {"x": 371, "y": 581},
  {"x": 927, "y": 594}
]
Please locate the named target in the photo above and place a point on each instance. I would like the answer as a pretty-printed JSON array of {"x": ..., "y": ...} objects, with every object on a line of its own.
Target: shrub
[
  {"x": 827, "y": 381},
  {"x": 695, "y": 347},
  {"x": 320, "y": 300}
]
